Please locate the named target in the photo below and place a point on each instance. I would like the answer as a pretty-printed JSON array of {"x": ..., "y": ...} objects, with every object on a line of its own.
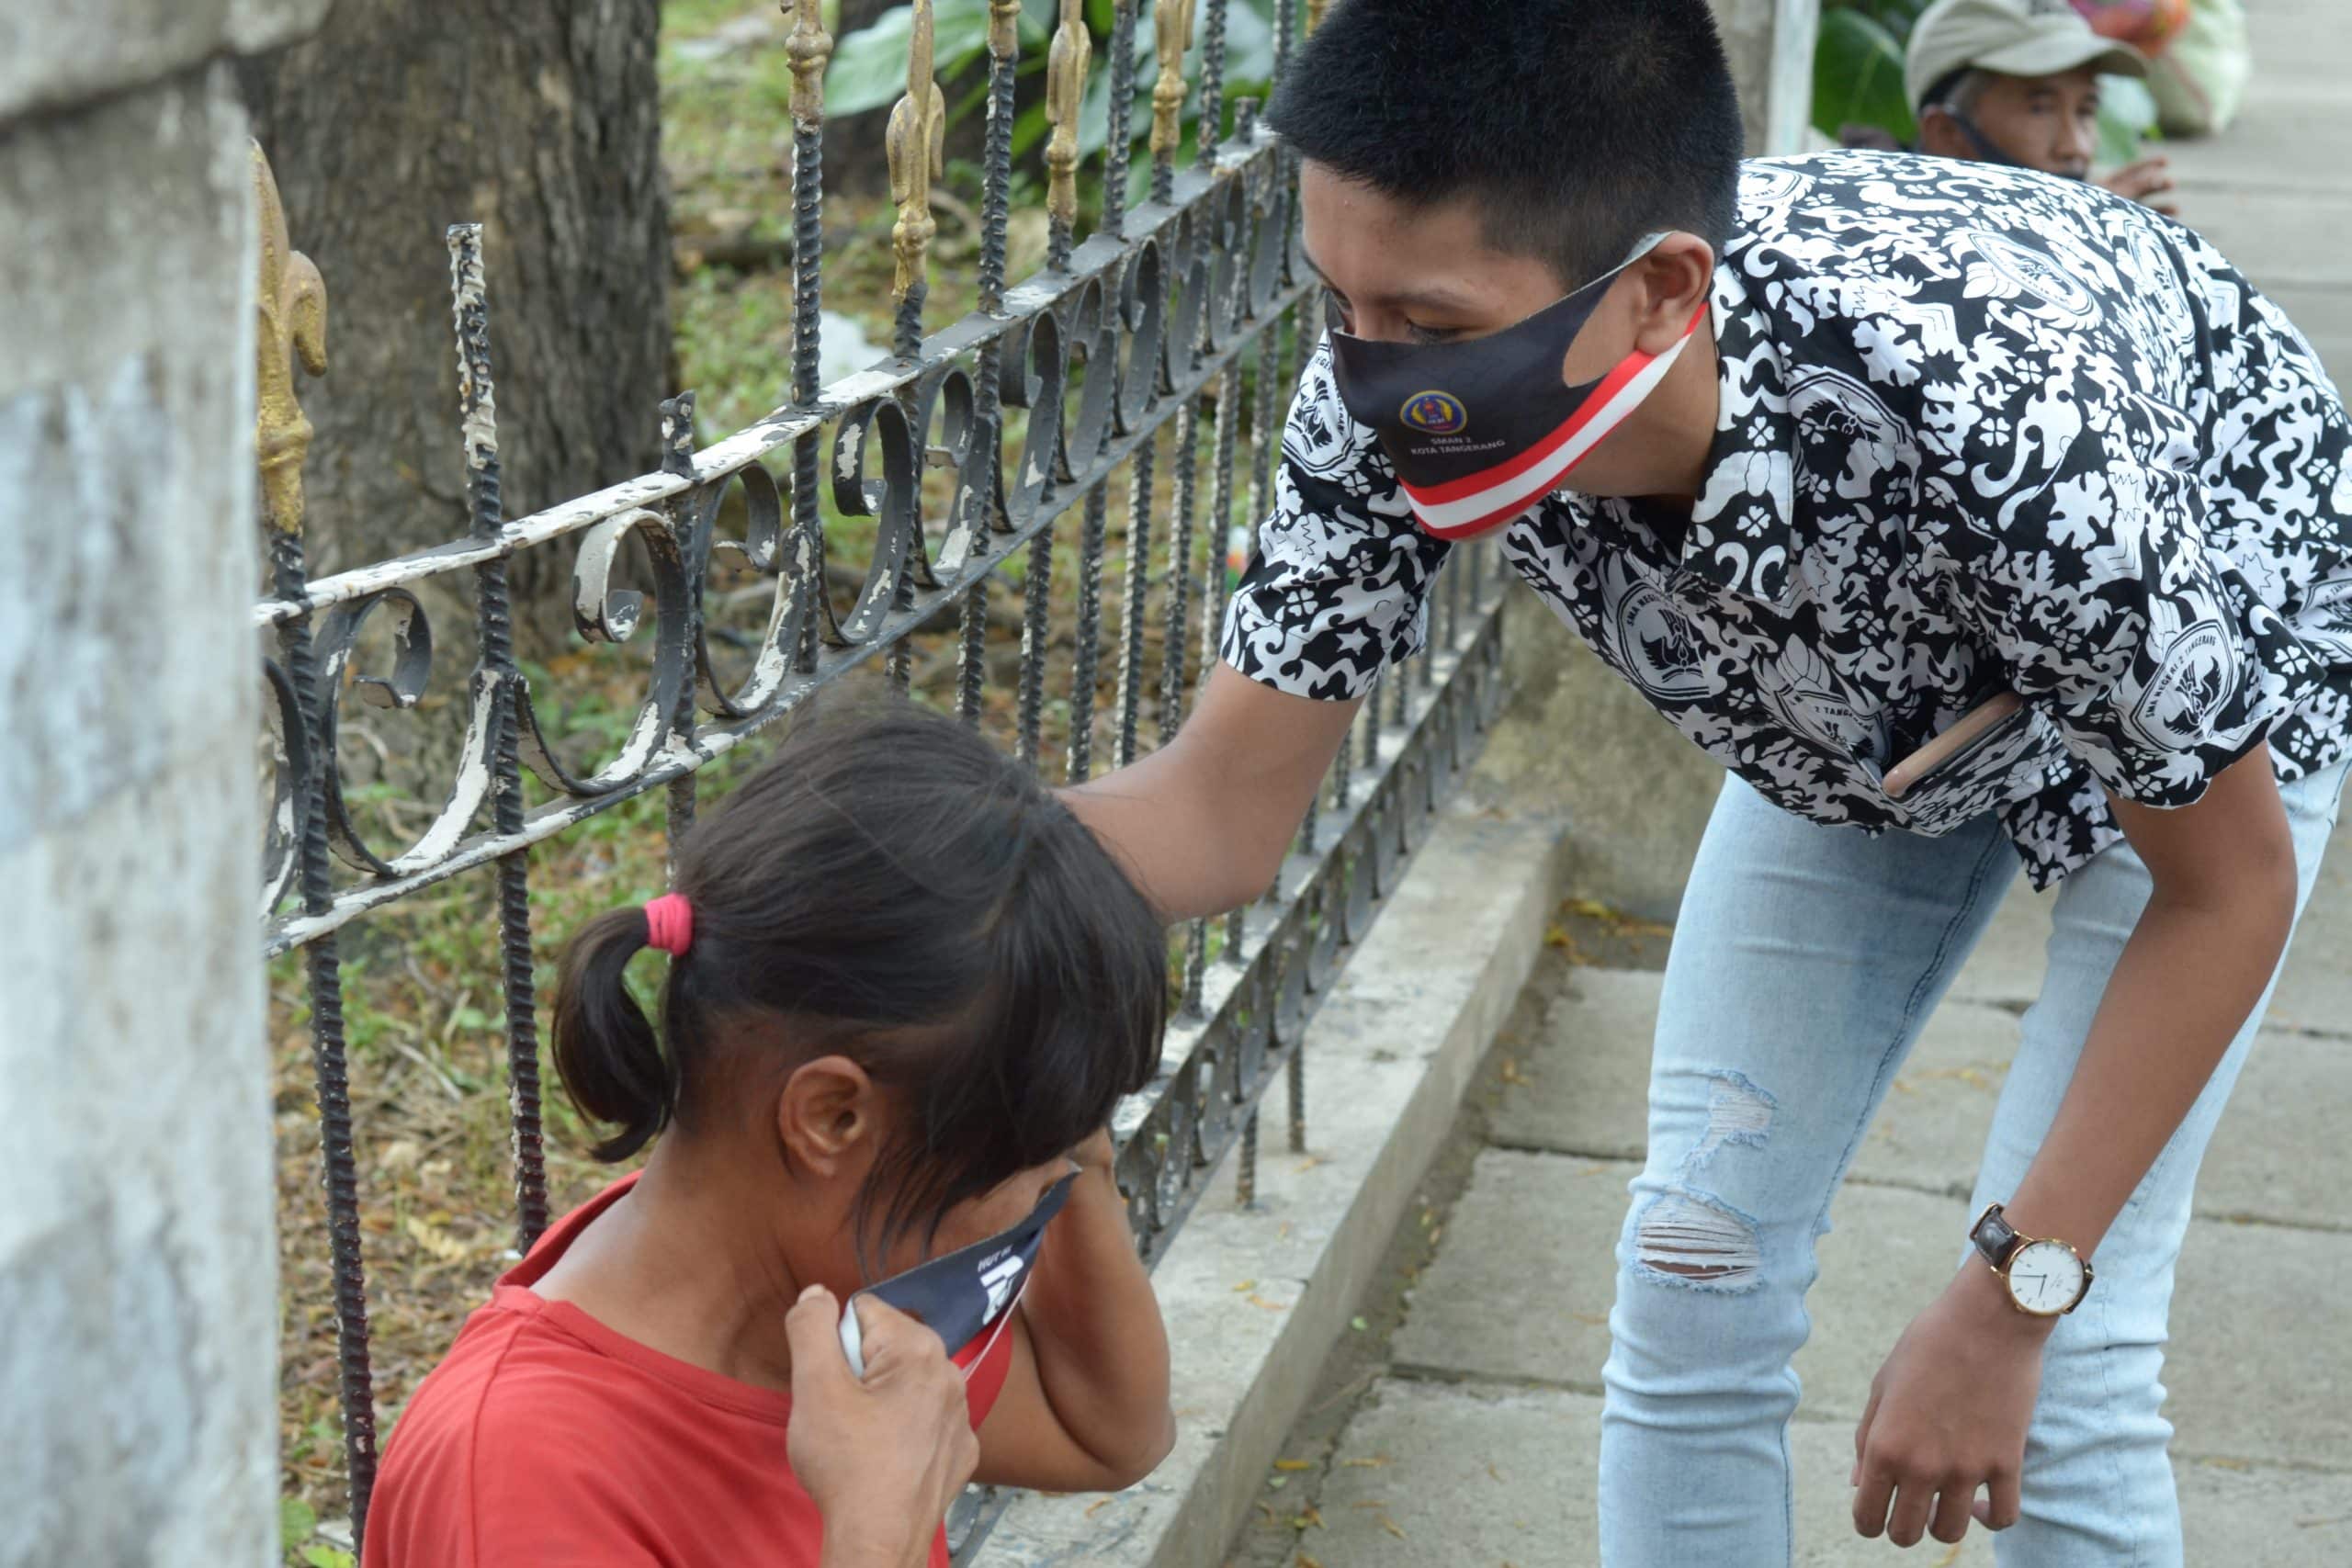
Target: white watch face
[{"x": 2045, "y": 1277}]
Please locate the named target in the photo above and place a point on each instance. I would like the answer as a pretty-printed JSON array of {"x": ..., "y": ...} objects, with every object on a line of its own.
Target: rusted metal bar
[
  {"x": 1091, "y": 544},
  {"x": 1064, "y": 91},
  {"x": 291, "y": 305},
  {"x": 478, "y": 411}
]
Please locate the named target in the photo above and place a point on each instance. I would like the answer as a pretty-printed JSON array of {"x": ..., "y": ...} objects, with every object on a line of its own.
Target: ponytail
[{"x": 605, "y": 1050}]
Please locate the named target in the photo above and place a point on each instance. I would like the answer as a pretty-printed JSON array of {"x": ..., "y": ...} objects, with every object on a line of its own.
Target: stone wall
[{"x": 137, "y": 1274}]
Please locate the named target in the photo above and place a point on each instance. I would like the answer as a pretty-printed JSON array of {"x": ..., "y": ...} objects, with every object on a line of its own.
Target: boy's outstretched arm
[{"x": 1203, "y": 823}]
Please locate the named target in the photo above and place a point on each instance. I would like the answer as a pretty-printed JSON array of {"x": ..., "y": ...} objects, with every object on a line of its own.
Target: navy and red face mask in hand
[{"x": 963, "y": 1294}]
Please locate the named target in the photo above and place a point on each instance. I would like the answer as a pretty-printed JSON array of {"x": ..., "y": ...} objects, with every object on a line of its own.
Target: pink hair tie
[{"x": 670, "y": 924}]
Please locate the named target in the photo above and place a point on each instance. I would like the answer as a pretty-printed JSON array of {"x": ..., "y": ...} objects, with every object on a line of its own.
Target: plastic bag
[
  {"x": 2197, "y": 58},
  {"x": 2146, "y": 25},
  {"x": 2199, "y": 79}
]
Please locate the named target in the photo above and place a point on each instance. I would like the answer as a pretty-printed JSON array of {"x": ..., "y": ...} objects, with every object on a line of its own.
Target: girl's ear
[{"x": 829, "y": 1116}]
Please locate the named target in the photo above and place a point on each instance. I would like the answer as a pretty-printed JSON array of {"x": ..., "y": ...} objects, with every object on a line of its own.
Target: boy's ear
[
  {"x": 1673, "y": 281},
  {"x": 828, "y": 1115}
]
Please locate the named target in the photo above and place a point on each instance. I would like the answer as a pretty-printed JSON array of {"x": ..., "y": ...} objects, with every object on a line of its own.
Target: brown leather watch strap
[{"x": 1994, "y": 1237}]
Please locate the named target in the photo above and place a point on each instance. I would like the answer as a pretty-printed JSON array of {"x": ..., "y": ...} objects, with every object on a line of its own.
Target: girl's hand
[{"x": 1947, "y": 1415}]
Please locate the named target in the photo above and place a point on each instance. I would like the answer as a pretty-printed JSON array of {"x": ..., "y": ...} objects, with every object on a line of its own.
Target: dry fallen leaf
[
  {"x": 1391, "y": 1527},
  {"x": 1375, "y": 1463},
  {"x": 437, "y": 1242},
  {"x": 1307, "y": 1561},
  {"x": 1294, "y": 1464}
]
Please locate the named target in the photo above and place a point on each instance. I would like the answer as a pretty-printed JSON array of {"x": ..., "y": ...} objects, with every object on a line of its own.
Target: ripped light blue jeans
[{"x": 1805, "y": 964}]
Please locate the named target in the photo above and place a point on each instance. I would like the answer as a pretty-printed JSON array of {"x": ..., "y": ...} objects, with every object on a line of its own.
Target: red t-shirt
[{"x": 545, "y": 1437}]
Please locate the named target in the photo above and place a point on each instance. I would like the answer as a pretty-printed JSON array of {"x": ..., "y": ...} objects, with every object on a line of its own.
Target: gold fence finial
[
  {"x": 1171, "y": 21},
  {"x": 293, "y": 306},
  {"x": 809, "y": 46},
  {"x": 917, "y": 143},
  {"x": 1004, "y": 28},
  {"x": 1066, "y": 64}
]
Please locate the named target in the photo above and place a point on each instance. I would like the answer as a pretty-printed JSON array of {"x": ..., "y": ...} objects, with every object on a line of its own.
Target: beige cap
[{"x": 2016, "y": 37}]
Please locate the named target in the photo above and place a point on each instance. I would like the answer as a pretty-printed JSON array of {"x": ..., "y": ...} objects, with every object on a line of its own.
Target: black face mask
[
  {"x": 1987, "y": 152},
  {"x": 960, "y": 1295},
  {"x": 1478, "y": 432}
]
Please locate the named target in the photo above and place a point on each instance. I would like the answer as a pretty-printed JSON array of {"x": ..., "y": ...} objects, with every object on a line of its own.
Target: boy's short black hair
[{"x": 1578, "y": 124}]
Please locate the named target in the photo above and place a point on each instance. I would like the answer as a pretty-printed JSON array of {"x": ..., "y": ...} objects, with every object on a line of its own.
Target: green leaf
[
  {"x": 2127, "y": 115},
  {"x": 1858, "y": 77},
  {"x": 870, "y": 68},
  {"x": 296, "y": 1521},
  {"x": 328, "y": 1557}
]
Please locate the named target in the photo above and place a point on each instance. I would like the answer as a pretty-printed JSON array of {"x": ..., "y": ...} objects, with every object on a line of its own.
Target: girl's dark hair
[{"x": 891, "y": 888}]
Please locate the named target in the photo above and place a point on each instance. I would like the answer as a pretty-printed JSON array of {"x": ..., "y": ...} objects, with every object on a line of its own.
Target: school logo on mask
[{"x": 1434, "y": 414}]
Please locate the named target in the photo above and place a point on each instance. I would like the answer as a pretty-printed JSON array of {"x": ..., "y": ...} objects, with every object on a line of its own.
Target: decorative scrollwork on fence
[{"x": 1101, "y": 386}]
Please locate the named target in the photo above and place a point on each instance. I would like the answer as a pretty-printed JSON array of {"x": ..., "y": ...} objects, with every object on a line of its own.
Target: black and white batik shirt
[{"x": 1980, "y": 430}]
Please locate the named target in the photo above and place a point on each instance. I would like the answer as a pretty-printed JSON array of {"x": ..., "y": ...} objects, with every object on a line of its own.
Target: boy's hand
[
  {"x": 1948, "y": 1414},
  {"x": 883, "y": 1456}
]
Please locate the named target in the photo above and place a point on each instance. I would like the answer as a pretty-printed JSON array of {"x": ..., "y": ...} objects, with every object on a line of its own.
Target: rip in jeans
[{"x": 1694, "y": 1239}]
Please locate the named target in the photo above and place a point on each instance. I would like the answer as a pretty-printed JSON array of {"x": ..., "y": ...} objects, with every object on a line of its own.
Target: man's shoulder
[{"x": 1900, "y": 200}]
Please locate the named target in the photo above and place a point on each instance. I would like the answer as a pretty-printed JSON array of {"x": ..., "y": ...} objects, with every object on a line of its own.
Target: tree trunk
[{"x": 540, "y": 119}]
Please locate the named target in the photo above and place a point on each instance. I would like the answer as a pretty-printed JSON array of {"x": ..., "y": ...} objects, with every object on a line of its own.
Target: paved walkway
[{"x": 1460, "y": 1424}]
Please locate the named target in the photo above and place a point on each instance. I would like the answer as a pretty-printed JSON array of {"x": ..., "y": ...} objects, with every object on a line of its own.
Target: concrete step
[
  {"x": 2261, "y": 1366},
  {"x": 1489, "y": 1477}
]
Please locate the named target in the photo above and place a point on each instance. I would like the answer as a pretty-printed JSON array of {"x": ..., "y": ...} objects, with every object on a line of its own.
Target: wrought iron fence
[{"x": 1112, "y": 384}]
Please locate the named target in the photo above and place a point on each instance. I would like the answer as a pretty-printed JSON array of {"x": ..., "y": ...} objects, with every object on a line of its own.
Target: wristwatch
[{"x": 2045, "y": 1278}]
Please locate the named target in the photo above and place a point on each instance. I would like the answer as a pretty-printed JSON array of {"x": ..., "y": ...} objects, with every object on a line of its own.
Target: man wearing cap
[{"x": 2016, "y": 82}]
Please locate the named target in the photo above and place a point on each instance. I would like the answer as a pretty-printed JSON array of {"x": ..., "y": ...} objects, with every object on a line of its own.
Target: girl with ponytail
[{"x": 904, "y": 990}]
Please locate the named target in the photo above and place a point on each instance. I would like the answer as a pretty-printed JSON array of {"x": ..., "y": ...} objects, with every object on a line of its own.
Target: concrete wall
[
  {"x": 1635, "y": 792},
  {"x": 1770, "y": 45},
  {"x": 137, "y": 1274}
]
